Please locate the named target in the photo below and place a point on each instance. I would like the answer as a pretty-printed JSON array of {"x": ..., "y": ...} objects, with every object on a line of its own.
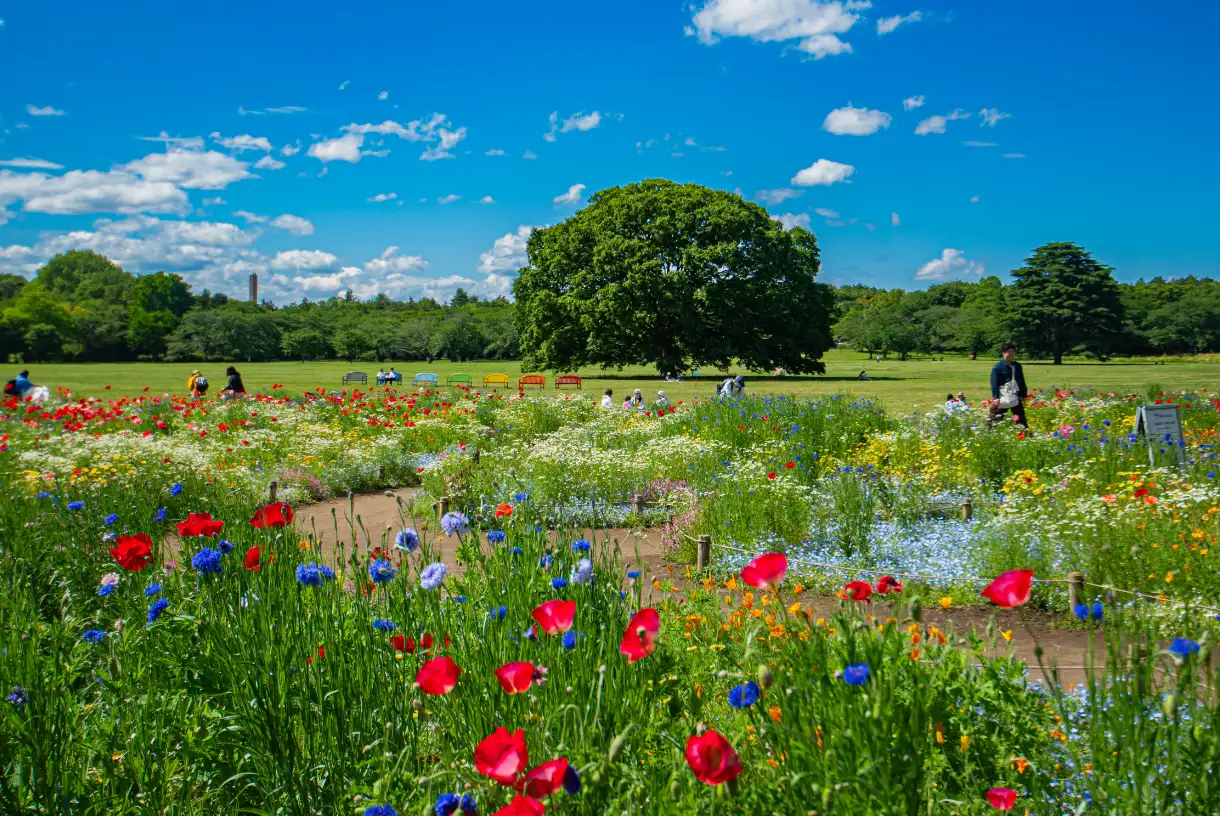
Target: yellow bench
[{"x": 500, "y": 380}]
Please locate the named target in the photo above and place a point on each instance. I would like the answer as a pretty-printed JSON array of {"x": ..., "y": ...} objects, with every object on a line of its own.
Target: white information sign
[{"x": 1161, "y": 426}]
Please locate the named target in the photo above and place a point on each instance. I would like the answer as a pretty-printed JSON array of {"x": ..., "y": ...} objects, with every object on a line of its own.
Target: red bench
[
  {"x": 568, "y": 379},
  {"x": 531, "y": 379}
]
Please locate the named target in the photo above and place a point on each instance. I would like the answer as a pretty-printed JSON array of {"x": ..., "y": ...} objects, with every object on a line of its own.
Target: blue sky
[{"x": 920, "y": 141}]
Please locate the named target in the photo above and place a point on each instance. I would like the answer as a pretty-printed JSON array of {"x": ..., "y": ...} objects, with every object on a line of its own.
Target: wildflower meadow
[{"x": 173, "y": 641}]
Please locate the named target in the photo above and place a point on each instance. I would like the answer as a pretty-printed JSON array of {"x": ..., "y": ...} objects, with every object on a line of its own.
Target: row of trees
[{"x": 81, "y": 306}]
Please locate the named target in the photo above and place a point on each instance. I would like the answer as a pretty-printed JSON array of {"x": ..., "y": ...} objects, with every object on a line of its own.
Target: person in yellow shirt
[
  {"x": 190, "y": 382},
  {"x": 197, "y": 384}
]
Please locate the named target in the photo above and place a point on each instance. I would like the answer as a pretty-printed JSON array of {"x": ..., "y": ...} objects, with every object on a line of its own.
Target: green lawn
[{"x": 917, "y": 383}]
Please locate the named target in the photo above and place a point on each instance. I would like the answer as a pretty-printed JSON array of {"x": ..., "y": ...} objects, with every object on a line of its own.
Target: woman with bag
[{"x": 1008, "y": 387}]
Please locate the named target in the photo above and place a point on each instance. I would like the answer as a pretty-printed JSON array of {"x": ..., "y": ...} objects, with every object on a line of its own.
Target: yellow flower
[
  {"x": 965, "y": 741},
  {"x": 795, "y": 609},
  {"x": 945, "y": 602},
  {"x": 1007, "y": 635}
]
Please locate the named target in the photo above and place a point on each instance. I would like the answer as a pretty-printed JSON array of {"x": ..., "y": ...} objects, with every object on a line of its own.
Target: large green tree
[
  {"x": 674, "y": 275},
  {"x": 1063, "y": 300}
]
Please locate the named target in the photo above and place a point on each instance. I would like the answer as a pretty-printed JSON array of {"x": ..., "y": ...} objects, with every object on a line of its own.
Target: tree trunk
[{"x": 1058, "y": 357}]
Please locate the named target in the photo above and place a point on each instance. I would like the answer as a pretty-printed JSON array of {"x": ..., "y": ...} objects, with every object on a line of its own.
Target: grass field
[{"x": 918, "y": 383}]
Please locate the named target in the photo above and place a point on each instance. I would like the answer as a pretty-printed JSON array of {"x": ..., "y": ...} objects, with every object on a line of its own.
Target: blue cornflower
[
  {"x": 312, "y": 575},
  {"x": 94, "y": 635},
  {"x": 745, "y": 695},
  {"x": 469, "y": 806},
  {"x": 459, "y": 599},
  {"x": 105, "y": 589},
  {"x": 76, "y": 505},
  {"x": 407, "y": 540},
  {"x": 381, "y": 571},
  {"x": 42, "y": 495},
  {"x": 18, "y": 697},
  {"x": 1182, "y": 648},
  {"x": 383, "y": 625},
  {"x": 160, "y": 515},
  {"x": 546, "y": 561},
  {"x": 499, "y": 612},
  {"x": 571, "y": 780},
  {"x": 569, "y": 640},
  {"x": 1106, "y": 422},
  {"x": 531, "y": 633},
  {"x": 152, "y": 589},
  {"x": 633, "y": 573},
  {"x": 856, "y": 675},
  {"x": 520, "y": 497},
  {"x": 158, "y": 606},
  {"x": 1081, "y": 611},
  {"x": 581, "y": 545},
  {"x": 1098, "y": 610},
  {"x": 433, "y": 576},
  {"x": 225, "y": 546},
  {"x": 454, "y": 522},
  {"x": 207, "y": 560},
  {"x": 380, "y": 810},
  {"x": 516, "y": 551},
  {"x": 175, "y": 488},
  {"x": 558, "y": 583},
  {"x": 495, "y": 536},
  {"x": 447, "y": 804},
  {"x": 111, "y": 519},
  {"x": 584, "y": 572}
]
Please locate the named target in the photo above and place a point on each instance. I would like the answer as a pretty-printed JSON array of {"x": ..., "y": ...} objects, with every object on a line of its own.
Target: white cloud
[
  {"x": 508, "y": 253},
  {"x": 529, "y": 154},
  {"x": 290, "y": 149},
  {"x": 440, "y": 150},
  {"x": 577, "y": 121},
  {"x": 251, "y": 218},
  {"x": 951, "y": 264},
  {"x": 335, "y": 282},
  {"x": 243, "y": 142},
  {"x": 826, "y": 213},
  {"x": 33, "y": 110},
  {"x": 789, "y": 220},
  {"x": 436, "y": 131},
  {"x": 1014, "y": 155},
  {"x": 287, "y": 109},
  {"x": 344, "y": 148},
  {"x": 912, "y": 102},
  {"x": 303, "y": 259},
  {"x": 572, "y": 196},
  {"x": 391, "y": 262},
  {"x": 343, "y": 85},
  {"x": 814, "y": 25},
  {"x": 384, "y": 197},
  {"x": 936, "y": 124},
  {"x": 991, "y": 116},
  {"x": 487, "y": 200},
  {"x": 823, "y": 172},
  {"x": 777, "y": 196},
  {"x": 887, "y": 24},
  {"x": 208, "y": 202},
  {"x": 191, "y": 169},
  {"x": 495, "y": 151},
  {"x": 31, "y": 164},
  {"x": 972, "y": 143},
  {"x": 448, "y": 199},
  {"x": 851, "y": 121},
  {"x": 895, "y": 220},
  {"x": 182, "y": 142},
  {"x": 269, "y": 162},
  {"x": 974, "y": 199},
  {"x": 384, "y": 95},
  {"x": 91, "y": 191},
  {"x": 294, "y": 224}
]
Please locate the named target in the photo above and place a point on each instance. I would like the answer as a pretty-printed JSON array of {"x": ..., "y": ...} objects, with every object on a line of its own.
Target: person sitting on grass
[
  {"x": 235, "y": 387},
  {"x": 862, "y": 376},
  {"x": 608, "y": 399},
  {"x": 662, "y": 401}
]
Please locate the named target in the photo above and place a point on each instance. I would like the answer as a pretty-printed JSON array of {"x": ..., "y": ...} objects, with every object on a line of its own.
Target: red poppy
[
  {"x": 522, "y": 806},
  {"x": 502, "y": 756},
  {"x": 771, "y": 475},
  {"x": 790, "y": 465},
  {"x": 403, "y": 644},
  {"x": 133, "y": 552},
  {"x": 1002, "y": 798},
  {"x": 556, "y": 616},
  {"x": 765, "y": 571},
  {"x": 545, "y": 779},
  {"x": 276, "y": 514},
  {"x": 504, "y": 510},
  {"x": 321, "y": 655},
  {"x": 1010, "y": 589},
  {"x": 253, "y": 562},
  {"x": 711, "y": 758},
  {"x": 200, "y": 524},
  {"x": 516, "y": 678},
  {"x": 858, "y": 590},
  {"x": 641, "y": 636},
  {"x": 438, "y": 676},
  {"x": 888, "y": 584}
]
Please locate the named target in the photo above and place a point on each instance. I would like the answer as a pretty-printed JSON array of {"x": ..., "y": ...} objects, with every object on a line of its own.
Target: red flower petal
[
  {"x": 274, "y": 515},
  {"x": 253, "y": 559},
  {"x": 712, "y": 758},
  {"x": 556, "y": 616},
  {"x": 1002, "y": 798},
  {"x": 516, "y": 678},
  {"x": 132, "y": 552},
  {"x": 859, "y": 590},
  {"x": 545, "y": 779},
  {"x": 522, "y": 806},
  {"x": 641, "y": 636},
  {"x": 200, "y": 524},
  {"x": 1010, "y": 589},
  {"x": 767, "y": 570},
  {"x": 438, "y": 676},
  {"x": 502, "y": 756}
]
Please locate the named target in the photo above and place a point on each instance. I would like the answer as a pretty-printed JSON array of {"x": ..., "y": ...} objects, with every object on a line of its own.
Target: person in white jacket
[{"x": 608, "y": 399}]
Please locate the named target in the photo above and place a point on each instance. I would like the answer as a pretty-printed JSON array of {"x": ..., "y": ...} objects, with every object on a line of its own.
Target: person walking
[
  {"x": 608, "y": 399},
  {"x": 1008, "y": 387},
  {"x": 235, "y": 387}
]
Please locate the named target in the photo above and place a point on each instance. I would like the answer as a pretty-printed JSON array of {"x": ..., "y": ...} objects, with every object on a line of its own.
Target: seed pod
[
  {"x": 764, "y": 676},
  {"x": 675, "y": 789},
  {"x": 916, "y": 612},
  {"x": 1169, "y": 706},
  {"x": 616, "y": 747}
]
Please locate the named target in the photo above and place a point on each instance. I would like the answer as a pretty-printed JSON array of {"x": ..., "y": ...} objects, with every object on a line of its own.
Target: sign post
[{"x": 1161, "y": 425}]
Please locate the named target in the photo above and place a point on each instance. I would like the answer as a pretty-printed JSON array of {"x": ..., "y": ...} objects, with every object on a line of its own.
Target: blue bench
[{"x": 424, "y": 378}]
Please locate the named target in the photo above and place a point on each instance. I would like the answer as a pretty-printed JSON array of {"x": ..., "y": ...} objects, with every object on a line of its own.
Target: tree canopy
[{"x": 672, "y": 275}]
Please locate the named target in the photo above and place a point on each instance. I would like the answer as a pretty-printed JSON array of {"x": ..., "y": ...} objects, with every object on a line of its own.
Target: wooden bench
[
  {"x": 460, "y": 379},
  {"x": 568, "y": 379},
  {"x": 424, "y": 378},
  {"x": 496, "y": 379},
  {"x": 354, "y": 377},
  {"x": 531, "y": 379}
]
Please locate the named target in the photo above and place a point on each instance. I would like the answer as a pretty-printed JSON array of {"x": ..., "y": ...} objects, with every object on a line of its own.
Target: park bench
[
  {"x": 354, "y": 377},
  {"x": 496, "y": 380},
  {"x": 531, "y": 379},
  {"x": 568, "y": 379},
  {"x": 460, "y": 379},
  {"x": 424, "y": 378}
]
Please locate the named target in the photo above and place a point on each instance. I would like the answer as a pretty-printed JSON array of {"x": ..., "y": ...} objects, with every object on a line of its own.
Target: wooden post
[
  {"x": 704, "y": 552},
  {"x": 442, "y": 507},
  {"x": 967, "y": 510},
  {"x": 1075, "y": 590},
  {"x": 381, "y": 474},
  {"x": 272, "y": 489},
  {"x": 476, "y": 456},
  {"x": 638, "y": 502}
]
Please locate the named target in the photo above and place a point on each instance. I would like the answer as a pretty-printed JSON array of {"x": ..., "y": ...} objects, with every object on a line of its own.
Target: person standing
[{"x": 1008, "y": 387}]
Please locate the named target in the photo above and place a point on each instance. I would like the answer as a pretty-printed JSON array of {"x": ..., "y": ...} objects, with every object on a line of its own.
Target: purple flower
[
  {"x": 454, "y": 522},
  {"x": 433, "y": 576}
]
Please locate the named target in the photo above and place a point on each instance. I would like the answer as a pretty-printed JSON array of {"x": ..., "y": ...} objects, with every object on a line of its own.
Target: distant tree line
[{"x": 82, "y": 307}]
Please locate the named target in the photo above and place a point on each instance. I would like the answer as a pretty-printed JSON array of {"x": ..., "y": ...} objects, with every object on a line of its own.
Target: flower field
[{"x": 172, "y": 644}]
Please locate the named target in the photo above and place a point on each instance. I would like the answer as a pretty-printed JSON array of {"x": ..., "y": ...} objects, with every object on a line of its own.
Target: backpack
[
  {"x": 10, "y": 388},
  {"x": 201, "y": 383}
]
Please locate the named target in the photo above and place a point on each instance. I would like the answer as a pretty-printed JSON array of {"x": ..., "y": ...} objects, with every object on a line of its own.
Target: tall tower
[{"x": 254, "y": 288}]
